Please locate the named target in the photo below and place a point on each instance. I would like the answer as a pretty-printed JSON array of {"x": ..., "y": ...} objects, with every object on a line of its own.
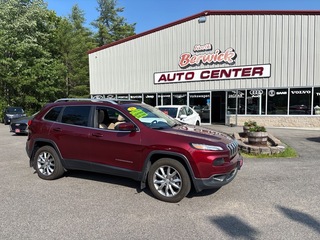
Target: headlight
[{"x": 206, "y": 147}]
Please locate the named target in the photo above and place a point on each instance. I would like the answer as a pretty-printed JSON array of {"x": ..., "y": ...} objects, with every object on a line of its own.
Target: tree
[
  {"x": 74, "y": 41},
  {"x": 111, "y": 27},
  {"x": 30, "y": 75}
]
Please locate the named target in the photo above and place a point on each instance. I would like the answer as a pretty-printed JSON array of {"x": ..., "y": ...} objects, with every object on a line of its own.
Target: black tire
[
  {"x": 47, "y": 163},
  {"x": 197, "y": 123},
  {"x": 168, "y": 180}
]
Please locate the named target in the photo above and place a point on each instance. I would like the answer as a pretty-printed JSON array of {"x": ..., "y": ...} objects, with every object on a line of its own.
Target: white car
[{"x": 182, "y": 113}]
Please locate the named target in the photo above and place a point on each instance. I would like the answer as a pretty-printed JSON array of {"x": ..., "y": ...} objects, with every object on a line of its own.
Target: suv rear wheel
[
  {"x": 168, "y": 180},
  {"x": 47, "y": 163}
]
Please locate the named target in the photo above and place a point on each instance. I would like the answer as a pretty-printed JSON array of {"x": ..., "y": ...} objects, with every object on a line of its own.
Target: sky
[{"x": 150, "y": 14}]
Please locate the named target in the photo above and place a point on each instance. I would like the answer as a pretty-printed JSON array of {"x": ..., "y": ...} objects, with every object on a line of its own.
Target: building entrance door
[{"x": 218, "y": 107}]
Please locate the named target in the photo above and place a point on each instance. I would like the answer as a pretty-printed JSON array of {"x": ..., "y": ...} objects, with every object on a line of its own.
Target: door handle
[
  {"x": 97, "y": 135},
  {"x": 57, "y": 129}
]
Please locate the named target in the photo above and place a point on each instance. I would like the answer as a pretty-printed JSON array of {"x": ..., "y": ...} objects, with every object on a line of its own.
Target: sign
[
  {"x": 216, "y": 57},
  {"x": 210, "y": 74}
]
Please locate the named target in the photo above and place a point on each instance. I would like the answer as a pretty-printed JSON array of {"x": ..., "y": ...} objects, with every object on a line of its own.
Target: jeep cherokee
[{"x": 133, "y": 140}]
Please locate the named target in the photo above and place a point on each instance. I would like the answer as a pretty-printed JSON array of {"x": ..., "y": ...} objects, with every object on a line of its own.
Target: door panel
[{"x": 115, "y": 148}]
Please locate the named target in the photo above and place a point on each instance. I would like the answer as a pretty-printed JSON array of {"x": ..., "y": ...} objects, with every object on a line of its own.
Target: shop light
[{"x": 202, "y": 19}]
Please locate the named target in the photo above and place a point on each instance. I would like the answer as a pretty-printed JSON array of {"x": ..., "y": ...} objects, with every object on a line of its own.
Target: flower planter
[
  {"x": 258, "y": 138},
  {"x": 246, "y": 130}
]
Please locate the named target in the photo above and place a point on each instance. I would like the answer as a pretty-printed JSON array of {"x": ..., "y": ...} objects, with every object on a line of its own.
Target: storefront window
[
  {"x": 179, "y": 98},
  {"x": 201, "y": 103},
  {"x": 111, "y": 96},
  {"x": 277, "y": 102},
  {"x": 137, "y": 97},
  {"x": 316, "y": 101},
  {"x": 123, "y": 96},
  {"x": 300, "y": 101},
  {"x": 150, "y": 99},
  {"x": 164, "y": 98},
  {"x": 256, "y": 101},
  {"x": 232, "y": 98}
]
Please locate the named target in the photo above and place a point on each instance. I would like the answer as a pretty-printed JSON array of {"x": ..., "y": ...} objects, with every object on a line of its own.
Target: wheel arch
[
  {"x": 156, "y": 155},
  {"x": 38, "y": 143}
]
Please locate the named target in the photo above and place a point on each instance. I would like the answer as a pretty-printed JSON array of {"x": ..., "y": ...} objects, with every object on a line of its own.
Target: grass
[{"x": 289, "y": 152}]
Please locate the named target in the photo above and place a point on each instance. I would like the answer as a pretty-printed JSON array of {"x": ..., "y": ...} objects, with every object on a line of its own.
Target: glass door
[{"x": 201, "y": 102}]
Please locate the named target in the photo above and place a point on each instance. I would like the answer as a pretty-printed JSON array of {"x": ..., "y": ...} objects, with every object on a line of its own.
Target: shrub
[
  {"x": 250, "y": 123},
  {"x": 257, "y": 128}
]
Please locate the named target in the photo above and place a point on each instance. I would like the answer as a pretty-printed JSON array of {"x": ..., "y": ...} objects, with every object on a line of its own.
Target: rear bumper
[{"x": 218, "y": 180}]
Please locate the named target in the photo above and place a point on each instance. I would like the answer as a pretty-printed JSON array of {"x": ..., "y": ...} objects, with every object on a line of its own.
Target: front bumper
[{"x": 218, "y": 180}]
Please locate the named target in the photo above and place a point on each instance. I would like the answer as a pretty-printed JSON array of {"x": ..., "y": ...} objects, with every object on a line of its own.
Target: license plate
[{"x": 17, "y": 130}]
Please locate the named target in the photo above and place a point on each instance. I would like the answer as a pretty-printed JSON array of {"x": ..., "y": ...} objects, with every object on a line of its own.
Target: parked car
[
  {"x": 11, "y": 113},
  {"x": 133, "y": 140},
  {"x": 20, "y": 125},
  {"x": 182, "y": 113},
  {"x": 203, "y": 112}
]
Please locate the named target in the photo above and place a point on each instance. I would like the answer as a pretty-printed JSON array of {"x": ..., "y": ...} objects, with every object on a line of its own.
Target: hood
[{"x": 201, "y": 133}]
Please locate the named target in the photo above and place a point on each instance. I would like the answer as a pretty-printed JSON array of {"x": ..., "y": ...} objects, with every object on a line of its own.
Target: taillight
[{"x": 29, "y": 122}]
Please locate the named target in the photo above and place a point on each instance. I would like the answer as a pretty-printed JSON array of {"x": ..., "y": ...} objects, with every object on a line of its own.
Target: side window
[
  {"x": 76, "y": 115},
  {"x": 53, "y": 114},
  {"x": 189, "y": 111},
  {"x": 182, "y": 111},
  {"x": 108, "y": 118}
]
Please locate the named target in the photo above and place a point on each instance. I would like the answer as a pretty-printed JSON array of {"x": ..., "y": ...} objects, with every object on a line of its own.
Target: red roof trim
[{"x": 206, "y": 13}]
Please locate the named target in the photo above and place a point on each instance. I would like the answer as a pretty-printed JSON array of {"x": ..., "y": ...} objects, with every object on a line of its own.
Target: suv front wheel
[
  {"x": 47, "y": 163},
  {"x": 168, "y": 180}
]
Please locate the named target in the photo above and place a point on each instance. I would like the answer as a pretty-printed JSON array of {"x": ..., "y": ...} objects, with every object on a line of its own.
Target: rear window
[{"x": 76, "y": 115}]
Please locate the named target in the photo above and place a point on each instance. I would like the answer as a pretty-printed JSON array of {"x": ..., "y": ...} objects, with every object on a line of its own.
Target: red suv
[{"x": 133, "y": 140}]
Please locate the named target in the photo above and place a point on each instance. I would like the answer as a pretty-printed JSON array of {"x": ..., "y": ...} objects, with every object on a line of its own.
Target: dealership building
[{"x": 230, "y": 66}]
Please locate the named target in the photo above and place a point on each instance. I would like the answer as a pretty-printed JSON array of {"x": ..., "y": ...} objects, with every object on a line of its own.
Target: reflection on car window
[
  {"x": 53, "y": 114},
  {"x": 151, "y": 117},
  {"x": 172, "y": 112}
]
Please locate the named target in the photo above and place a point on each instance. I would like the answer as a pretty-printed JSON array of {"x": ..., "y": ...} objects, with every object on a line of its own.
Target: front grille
[{"x": 233, "y": 148}]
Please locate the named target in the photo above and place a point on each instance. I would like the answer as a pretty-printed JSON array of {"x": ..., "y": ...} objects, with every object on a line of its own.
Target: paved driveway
[{"x": 269, "y": 199}]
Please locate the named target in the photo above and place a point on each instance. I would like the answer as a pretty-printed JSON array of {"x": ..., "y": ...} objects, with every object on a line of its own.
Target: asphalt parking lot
[{"x": 269, "y": 199}]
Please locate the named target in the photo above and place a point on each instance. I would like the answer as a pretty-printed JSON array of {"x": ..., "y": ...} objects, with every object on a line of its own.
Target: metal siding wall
[
  {"x": 316, "y": 48},
  {"x": 289, "y": 42}
]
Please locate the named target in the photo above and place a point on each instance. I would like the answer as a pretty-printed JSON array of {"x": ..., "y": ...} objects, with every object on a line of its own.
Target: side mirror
[{"x": 126, "y": 127}]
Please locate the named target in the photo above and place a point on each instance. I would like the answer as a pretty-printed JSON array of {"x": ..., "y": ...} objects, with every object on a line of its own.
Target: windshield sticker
[{"x": 137, "y": 113}]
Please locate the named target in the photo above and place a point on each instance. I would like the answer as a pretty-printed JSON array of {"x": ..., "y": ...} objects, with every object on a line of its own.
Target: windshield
[
  {"x": 152, "y": 117},
  {"x": 15, "y": 110}
]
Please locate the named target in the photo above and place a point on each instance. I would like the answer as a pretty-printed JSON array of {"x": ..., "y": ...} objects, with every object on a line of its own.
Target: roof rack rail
[{"x": 110, "y": 100}]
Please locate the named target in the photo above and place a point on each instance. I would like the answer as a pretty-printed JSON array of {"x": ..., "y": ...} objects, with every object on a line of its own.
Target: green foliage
[
  {"x": 254, "y": 127},
  {"x": 74, "y": 42},
  {"x": 250, "y": 123},
  {"x": 30, "y": 76},
  {"x": 257, "y": 128},
  {"x": 111, "y": 27},
  {"x": 44, "y": 57},
  {"x": 289, "y": 152}
]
